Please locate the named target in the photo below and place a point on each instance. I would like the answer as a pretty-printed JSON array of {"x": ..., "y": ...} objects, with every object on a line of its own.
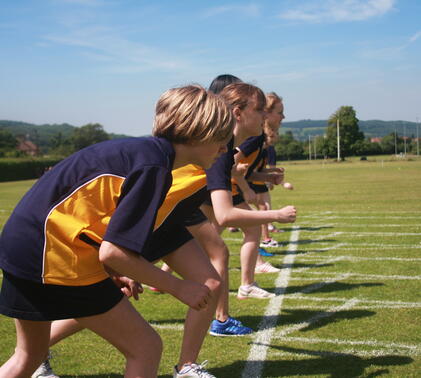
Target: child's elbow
[
  {"x": 106, "y": 255},
  {"x": 222, "y": 220}
]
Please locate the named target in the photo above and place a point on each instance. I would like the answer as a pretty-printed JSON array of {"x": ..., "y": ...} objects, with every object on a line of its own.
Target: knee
[
  {"x": 252, "y": 233},
  {"x": 152, "y": 341},
  {"x": 214, "y": 284}
]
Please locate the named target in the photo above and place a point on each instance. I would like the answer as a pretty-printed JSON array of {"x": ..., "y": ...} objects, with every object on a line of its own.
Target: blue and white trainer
[
  {"x": 231, "y": 327},
  {"x": 264, "y": 253}
]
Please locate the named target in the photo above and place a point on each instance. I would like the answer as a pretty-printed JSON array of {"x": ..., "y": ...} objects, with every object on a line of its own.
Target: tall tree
[
  {"x": 89, "y": 134},
  {"x": 7, "y": 141},
  {"x": 349, "y": 131}
]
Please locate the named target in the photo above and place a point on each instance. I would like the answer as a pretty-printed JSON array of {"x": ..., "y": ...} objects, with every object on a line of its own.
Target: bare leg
[
  {"x": 124, "y": 327},
  {"x": 192, "y": 263},
  {"x": 249, "y": 250},
  {"x": 60, "y": 329},
  {"x": 31, "y": 349},
  {"x": 209, "y": 239}
]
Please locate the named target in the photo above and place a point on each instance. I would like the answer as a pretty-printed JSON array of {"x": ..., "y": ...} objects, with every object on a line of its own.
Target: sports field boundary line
[
  {"x": 266, "y": 328},
  {"x": 377, "y": 343},
  {"x": 299, "y": 296}
]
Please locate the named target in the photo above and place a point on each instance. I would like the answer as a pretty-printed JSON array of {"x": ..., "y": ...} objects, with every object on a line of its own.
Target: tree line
[{"x": 63, "y": 140}]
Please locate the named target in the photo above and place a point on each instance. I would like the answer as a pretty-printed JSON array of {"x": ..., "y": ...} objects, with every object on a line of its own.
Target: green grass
[{"x": 352, "y": 306}]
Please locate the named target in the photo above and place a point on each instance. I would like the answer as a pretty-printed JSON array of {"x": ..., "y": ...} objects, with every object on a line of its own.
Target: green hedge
[{"x": 15, "y": 169}]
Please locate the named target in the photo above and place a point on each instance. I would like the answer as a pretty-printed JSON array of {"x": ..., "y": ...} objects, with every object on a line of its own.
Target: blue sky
[{"x": 107, "y": 61}]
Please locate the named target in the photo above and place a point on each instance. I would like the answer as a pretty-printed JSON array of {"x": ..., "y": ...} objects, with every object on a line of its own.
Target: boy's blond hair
[{"x": 191, "y": 114}]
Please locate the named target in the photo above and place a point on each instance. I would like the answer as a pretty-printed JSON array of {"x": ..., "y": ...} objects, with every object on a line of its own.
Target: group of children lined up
[{"x": 89, "y": 231}]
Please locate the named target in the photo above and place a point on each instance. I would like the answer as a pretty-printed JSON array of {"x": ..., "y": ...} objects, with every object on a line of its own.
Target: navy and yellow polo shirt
[
  {"x": 219, "y": 174},
  {"x": 109, "y": 191},
  {"x": 252, "y": 149}
]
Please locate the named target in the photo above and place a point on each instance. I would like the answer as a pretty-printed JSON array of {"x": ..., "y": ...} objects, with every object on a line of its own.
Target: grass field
[{"x": 349, "y": 293}]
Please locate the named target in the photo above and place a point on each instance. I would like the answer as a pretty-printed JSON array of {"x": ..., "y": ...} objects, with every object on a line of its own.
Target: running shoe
[
  {"x": 193, "y": 370},
  {"x": 266, "y": 267},
  {"x": 44, "y": 370},
  {"x": 269, "y": 243},
  {"x": 264, "y": 253},
  {"x": 231, "y": 327},
  {"x": 253, "y": 291}
]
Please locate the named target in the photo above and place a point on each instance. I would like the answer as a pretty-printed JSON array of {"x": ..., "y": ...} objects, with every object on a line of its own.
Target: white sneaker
[
  {"x": 253, "y": 291},
  {"x": 269, "y": 243},
  {"x": 44, "y": 370},
  {"x": 266, "y": 267},
  {"x": 193, "y": 370}
]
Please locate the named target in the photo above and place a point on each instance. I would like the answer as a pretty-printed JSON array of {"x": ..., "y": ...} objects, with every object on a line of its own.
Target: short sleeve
[
  {"x": 133, "y": 221},
  {"x": 219, "y": 175},
  {"x": 251, "y": 144}
]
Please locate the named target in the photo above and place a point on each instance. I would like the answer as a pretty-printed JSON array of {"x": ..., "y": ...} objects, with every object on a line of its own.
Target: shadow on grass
[
  {"x": 320, "y": 318},
  {"x": 324, "y": 317},
  {"x": 306, "y": 241},
  {"x": 334, "y": 365},
  {"x": 330, "y": 287}
]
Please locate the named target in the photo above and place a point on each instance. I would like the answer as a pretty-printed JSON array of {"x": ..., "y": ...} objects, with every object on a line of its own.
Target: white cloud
[
  {"x": 338, "y": 11},
  {"x": 415, "y": 37},
  {"x": 120, "y": 54},
  {"x": 251, "y": 10}
]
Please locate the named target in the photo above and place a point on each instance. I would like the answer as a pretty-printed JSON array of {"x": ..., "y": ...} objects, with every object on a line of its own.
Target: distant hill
[
  {"x": 41, "y": 134},
  {"x": 372, "y": 128}
]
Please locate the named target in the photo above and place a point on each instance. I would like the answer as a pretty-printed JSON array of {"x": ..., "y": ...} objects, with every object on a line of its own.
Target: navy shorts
[
  {"x": 29, "y": 300},
  {"x": 237, "y": 199},
  {"x": 166, "y": 239},
  {"x": 197, "y": 217},
  {"x": 258, "y": 188}
]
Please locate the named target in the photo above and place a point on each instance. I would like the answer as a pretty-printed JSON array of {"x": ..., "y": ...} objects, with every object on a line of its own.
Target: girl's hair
[
  {"x": 271, "y": 100},
  {"x": 240, "y": 94},
  {"x": 221, "y": 81},
  {"x": 192, "y": 114}
]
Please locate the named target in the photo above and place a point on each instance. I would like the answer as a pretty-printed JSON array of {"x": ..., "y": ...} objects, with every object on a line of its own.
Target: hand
[
  {"x": 239, "y": 169},
  {"x": 193, "y": 294},
  {"x": 275, "y": 175},
  {"x": 129, "y": 287},
  {"x": 287, "y": 214}
]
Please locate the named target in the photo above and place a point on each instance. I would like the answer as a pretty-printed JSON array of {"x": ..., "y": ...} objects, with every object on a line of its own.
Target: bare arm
[
  {"x": 228, "y": 215},
  {"x": 272, "y": 175},
  {"x": 137, "y": 268}
]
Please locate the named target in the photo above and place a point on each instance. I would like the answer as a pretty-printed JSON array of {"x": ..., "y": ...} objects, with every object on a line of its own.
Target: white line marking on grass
[
  {"x": 170, "y": 326},
  {"x": 359, "y": 275},
  {"x": 358, "y": 307},
  {"x": 383, "y": 344},
  {"x": 368, "y": 246},
  {"x": 320, "y": 264},
  {"x": 352, "y": 353},
  {"x": 360, "y": 225},
  {"x": 383, "y": 217},
  {"x": 342, "y": 299},
  {"x": 314, "y": 319},
  {"x": 328, "y": 281},
  {"x": 362, "y": 234},
  {"x": 261, "y": 339},
  {"x": 327, "y": 259}
]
